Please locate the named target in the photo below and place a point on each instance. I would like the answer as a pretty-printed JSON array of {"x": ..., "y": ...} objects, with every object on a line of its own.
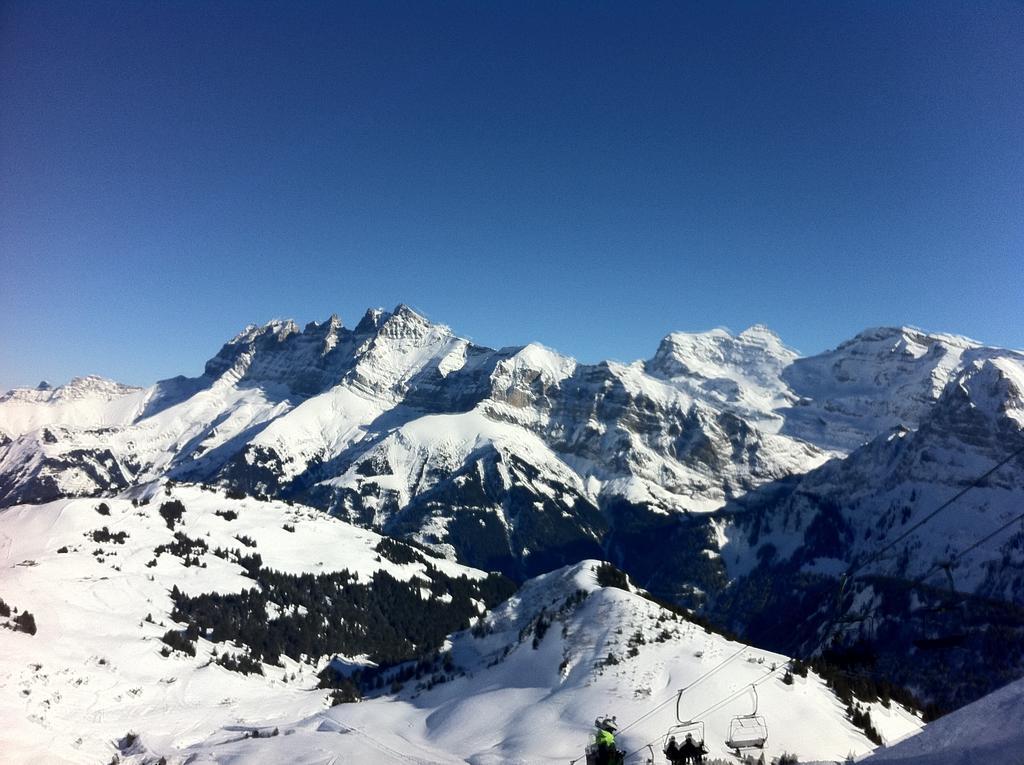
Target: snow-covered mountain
[
  {"x": 883, "y": 378},
  {"x": 788, "y": 544},
  {"x": 90, "y": 402},
  {"x": 725, "y": 473},
  {"x": 392, "y": 423},
  {"x": 886, "y": 486}
]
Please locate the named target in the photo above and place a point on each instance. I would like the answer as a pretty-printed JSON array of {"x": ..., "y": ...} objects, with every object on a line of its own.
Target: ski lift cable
[
  {"x": 718, "y": 704},
  {"x": 677, "y": 694},
  {"x": 952, "y": 559},
  {"x": 955, "y": 558},
  {"x": 728, "y": 698},
  {"x": 854, "y": 568},
  {"x": 739, "y": 692},
  {"x": 846, "y": 577},
  {"x": 850, "y": 573},
  {"x": 714, "y": 707}
]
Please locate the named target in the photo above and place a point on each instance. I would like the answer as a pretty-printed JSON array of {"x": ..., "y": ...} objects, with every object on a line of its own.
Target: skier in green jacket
[{"x": 605, "y": 740}]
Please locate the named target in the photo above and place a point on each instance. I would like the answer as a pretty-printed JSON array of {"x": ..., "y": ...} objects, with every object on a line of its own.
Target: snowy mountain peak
[
  {"x": 531, "y": 365},
  {"x": 371, "y": 321},
  {"x": 742, "y": 372},
  {"x": 332, "y": 324},
  {"x": 761, "y": 333},
  {"x": 881, "y": 378},
  {"x": 87, "y": 387},
  {"x": 275, "y": 329},
  {"x": 990, "y": 386},
  {"x": 906, "y": 339},
  {"x": 404, "y": 322},
  {"x": 93, "y": 385},
  {"x": 757, "y": 351}
]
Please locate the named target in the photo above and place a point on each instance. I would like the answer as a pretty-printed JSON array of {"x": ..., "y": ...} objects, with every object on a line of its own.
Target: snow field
[
  {"x": 518, "y": 704},
  {"x": 93, "y": 671}
]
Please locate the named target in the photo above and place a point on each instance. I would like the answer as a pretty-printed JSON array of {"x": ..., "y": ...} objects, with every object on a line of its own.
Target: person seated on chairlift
[
  {"x": 672, "y": 751},
  {"x": 607, "y": 752},
  {"x": 691, "y": 751}
]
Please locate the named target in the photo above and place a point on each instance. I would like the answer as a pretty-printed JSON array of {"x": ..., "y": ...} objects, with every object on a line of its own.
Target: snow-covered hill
[
  {"x": 98, "y": 580},
  {"x": 989, "y": 731},
  {"x": 528, "y": 681}
]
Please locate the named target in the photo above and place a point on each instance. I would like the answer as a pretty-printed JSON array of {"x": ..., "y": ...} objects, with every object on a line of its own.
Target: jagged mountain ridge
[
  {"x": 312, "y": 413},
  {"x": 519, "y": 459},
  {"x": 725, "y": 473}
]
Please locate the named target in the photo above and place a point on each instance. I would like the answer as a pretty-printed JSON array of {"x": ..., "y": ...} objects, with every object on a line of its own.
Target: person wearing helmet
[{"x": 605, "y": 741}]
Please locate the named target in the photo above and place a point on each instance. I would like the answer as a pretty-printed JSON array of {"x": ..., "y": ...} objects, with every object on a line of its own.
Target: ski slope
[
  {"x": 990, "y": 731},
  {"x": 93, "y": 671},
  {"x": 517, "y": 704}
]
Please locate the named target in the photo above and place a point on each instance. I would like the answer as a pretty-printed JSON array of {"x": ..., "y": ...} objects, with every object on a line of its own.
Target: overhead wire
[
  {"x": 846, "y": 577},
  {"x": 676, "y": 694},
  {"x": 856, "y": 567},
  {"x": 853, "y": 569},
  {"x": 714, "y": 707},
  {"x": 956, "y": 558}
]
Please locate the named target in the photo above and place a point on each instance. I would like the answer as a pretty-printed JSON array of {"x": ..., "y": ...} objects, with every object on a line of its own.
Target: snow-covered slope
[
  {"x": 93, "y": 670},
  {"x": 90, "y": 402},
  {"x": 989, "y": 731},
  {"x": 529, "y": 680},
  {"x": 883, "y": 378}
]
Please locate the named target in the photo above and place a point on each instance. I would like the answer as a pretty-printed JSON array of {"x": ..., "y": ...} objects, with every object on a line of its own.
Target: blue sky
[{"x": 586, "y": 175}]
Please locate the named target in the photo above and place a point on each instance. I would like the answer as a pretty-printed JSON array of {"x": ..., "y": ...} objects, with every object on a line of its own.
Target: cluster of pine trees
[
  {"x": 323, "y": 614},
  {"x": 171, "y": 512},
  {"x": 23, "y": 622}
]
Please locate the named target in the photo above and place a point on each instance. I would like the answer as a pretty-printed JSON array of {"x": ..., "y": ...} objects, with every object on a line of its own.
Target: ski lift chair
[
  {"x": 748, "y": 731},
  {"x": 693, "y": 727}
]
